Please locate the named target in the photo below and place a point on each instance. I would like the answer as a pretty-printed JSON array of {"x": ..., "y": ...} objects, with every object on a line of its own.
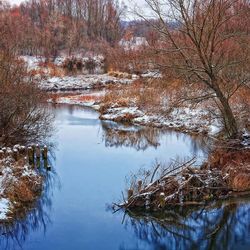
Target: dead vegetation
[
  {"x": 23, "y": 117},
  {"x": 141, "y": 93},
  {"x": 171, "y": 100},
  {"x": 20, "y": 189},
  {"x": 21, "y": 183},
  {"x": 226, "y": 174},
  {"x": 131, "y": 61},
  {"x": 235, "y": 165}
]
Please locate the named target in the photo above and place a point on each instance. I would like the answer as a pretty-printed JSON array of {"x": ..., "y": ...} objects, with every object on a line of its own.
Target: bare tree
[{"x": 206, "y": 42}]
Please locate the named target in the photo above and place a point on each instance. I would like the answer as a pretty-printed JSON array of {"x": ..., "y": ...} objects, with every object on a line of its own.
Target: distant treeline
[{"x": 48, "y": 26}]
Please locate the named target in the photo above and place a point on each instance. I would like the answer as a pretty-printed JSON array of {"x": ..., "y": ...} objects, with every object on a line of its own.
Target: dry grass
[
  {"x": 235, "y": 164},
  {"x": 223, "y": 158},
  {"x": 131, "y": 61},
  {"x": 49, "y": 69},
  {"x": 120, "y": 75},
  {"x": 84, "y": 98},
  {"x": 22, "y": 190},
  {"x": 143, "y": 94}
]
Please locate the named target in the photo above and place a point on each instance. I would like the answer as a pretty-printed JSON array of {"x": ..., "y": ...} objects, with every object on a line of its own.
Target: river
[{"x": 92, "y": 159}]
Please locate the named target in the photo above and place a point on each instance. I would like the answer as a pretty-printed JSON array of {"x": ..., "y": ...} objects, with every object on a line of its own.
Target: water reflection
[
  {"x": 223, "y": 225},
  {"x": 93, "y": 157},
  {"x": 119, "y": 135},
  {"x": 142, "y": 138},
  {"x": 14, "y": 235}
]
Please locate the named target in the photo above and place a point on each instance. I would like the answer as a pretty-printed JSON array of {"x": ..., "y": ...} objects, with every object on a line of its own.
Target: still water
[{"x": 92, "y": 159}]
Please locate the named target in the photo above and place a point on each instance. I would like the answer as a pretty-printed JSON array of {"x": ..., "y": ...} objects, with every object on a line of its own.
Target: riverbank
[
  {"x": 60, "y": 75},
  {"x": 187, "y": 119},
  {"x": 136, "y": 99},
  {"x": 21, "y": 183},
  {"x": 122, "y": 97},
  {"x": 146, "y": 105}
]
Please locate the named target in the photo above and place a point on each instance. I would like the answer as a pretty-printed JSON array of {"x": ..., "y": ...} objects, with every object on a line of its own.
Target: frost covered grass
[
  {"x": 167, "y": 103},
  {"x": 20, "y": 185},
  {"x": 152, "y": 104},
  {"x": 147, "y": 107}
]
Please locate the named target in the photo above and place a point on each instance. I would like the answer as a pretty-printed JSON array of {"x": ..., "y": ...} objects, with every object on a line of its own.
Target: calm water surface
[{"x": 92, "y": 159}]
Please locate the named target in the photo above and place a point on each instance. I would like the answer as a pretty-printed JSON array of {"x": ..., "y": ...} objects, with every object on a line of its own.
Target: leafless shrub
[{"x": 23, "y": 116}]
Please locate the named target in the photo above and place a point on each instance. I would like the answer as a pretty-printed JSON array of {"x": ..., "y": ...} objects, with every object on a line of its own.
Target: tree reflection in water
[
  {"x": 142, "y": 138},
  {"x": 219, "y": 226},
  {"x": 14, "y": 235}
]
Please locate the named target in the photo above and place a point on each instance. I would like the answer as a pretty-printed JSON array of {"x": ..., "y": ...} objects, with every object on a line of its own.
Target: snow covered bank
[
  {"x": 20, "y": 184},
  {"x": 183, "y": 119},
  {"x": 123, "y": 87},
  {"x": 55, "y": 77},
  {"x": 87, "y": 99},
  {"x": 81, "y": 82},
  {"x": 186, "y": 119}
]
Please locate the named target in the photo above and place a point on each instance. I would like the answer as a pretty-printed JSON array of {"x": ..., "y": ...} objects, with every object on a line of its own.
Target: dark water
[{"x": 92, "y": 160}]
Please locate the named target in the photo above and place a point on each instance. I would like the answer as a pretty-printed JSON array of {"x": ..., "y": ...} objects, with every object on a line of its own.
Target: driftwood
[{"x": 182, "y": 184}]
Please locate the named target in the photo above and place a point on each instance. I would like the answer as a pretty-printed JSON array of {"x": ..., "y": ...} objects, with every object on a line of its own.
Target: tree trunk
[{"x": 229, "y": 120}]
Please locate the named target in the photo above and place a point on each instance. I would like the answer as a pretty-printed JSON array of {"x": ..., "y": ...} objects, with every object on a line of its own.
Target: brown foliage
[
  {"x": 46, "y": 27},
  {"x": 153, "y": 96}
]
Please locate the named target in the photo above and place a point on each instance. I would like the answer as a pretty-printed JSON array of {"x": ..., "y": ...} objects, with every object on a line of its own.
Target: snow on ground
[
  {"x": 134, "y": 43},
  {"x": 246, "y": 139},
  {"x": 12, "y": 175},
  {"x": 184, "y": 119},
  {"x": 4, "y": 208},
  {"x": 32, "y": 62},
  {"x": 86, "y": 98},
  {"x": 6, "y": 178},
  {"x": 81, "y": 82},
  {"x": 151, "y": 74}
]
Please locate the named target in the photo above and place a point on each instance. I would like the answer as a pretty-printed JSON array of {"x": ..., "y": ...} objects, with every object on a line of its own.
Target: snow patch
[
  {"x": 183, "y": 118},
  {"x": 80, "y": 82},
  {"x": 4, "y": 208}
]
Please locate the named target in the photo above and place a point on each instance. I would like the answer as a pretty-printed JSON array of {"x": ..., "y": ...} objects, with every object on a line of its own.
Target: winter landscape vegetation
[{"x": 125, "y": 125}]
